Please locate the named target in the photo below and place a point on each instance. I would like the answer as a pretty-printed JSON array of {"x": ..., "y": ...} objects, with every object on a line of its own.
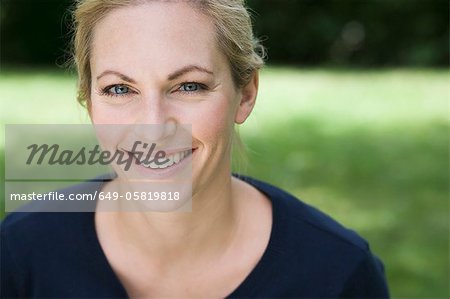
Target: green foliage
[
  {"x": 302, "y": 32},
  {"x": 34, "y": 32},
  {"x": 368, "y": 148},
  {"x": 354, "y": 32},
  {"x": 371, "y": 150},
  {"x": 389, "y": 185}
]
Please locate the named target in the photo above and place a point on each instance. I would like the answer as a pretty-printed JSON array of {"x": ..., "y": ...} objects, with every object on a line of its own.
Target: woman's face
[{"x": 159, "y": 63}]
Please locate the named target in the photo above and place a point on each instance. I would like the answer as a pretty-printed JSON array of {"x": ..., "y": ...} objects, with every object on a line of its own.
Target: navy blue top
[{"x": 309, "y": 255}]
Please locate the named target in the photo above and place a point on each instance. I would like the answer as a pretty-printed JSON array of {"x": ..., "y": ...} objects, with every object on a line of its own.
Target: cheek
[
  {"x": 106, "y": 114},
  {"x": 100, "y": 114},
  {"x": 214, "y": 122}
]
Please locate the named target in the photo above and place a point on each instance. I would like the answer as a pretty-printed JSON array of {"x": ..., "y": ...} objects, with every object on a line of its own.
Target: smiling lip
[
  {"x": 171, "y": 158},
  {"x": 177, "y": 160}
]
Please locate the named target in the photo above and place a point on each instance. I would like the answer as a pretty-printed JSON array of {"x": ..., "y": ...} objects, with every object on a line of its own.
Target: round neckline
[
  {"x": 98, "y": 252},
  {"x": 259, "y": 275},
  {"x": 263, "y": 269}
]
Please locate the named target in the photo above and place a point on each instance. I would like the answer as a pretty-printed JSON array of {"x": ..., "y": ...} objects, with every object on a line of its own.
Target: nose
[{"x": 155, "y": 120}]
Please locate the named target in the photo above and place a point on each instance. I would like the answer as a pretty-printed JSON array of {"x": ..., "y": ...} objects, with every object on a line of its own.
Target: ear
[{"x": 247, "y": 99}]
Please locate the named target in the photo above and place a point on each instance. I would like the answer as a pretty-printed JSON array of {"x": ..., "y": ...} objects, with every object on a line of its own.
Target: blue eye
[
  {"x": 118, "y": 89},
  {"x": 191, "y": 87}
]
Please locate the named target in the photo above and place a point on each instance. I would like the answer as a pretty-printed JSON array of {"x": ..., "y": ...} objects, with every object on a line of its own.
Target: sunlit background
[{"x": 352, "y": 115}]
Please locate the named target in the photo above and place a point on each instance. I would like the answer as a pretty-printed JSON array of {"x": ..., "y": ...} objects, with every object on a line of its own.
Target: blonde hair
[{"x": 232, "y": 22}]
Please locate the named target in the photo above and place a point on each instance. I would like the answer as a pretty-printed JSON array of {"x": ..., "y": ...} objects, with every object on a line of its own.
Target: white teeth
[
  {"x": 172, "y": 159},
  {"x": 177, "y": 157}
]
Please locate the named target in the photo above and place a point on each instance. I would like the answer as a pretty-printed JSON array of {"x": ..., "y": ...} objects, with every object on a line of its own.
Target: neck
[{"x": 209, "y": 228}]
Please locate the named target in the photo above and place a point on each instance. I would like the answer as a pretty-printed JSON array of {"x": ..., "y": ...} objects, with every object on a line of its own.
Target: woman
[{"x": 171, "y": 63}]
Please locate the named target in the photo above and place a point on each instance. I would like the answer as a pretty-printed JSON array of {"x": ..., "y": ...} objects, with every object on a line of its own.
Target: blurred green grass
[{"x": 370, "y": 148}]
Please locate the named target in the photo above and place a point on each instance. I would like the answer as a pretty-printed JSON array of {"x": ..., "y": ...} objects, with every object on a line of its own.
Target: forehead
[{"x": 157, "y": 35}]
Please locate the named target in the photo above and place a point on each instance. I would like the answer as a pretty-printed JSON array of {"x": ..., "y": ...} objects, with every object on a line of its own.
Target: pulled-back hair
[{"x": 234, "y": 36}]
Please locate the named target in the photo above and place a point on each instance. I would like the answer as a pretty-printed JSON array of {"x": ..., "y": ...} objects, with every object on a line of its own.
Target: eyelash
[
  {"x": 106, "y": 91},
  {"x": 202, "y": 88}
]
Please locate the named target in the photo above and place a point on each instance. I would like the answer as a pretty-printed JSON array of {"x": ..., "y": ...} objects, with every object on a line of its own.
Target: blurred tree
[
  {"x": 354, "y": 32},
  {"x": 34, "y": 31},
  {"x": 305, "y": 32}
]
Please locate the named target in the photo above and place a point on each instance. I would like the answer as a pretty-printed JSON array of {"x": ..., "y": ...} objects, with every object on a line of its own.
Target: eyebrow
[
  {"x": 187, "y": 69},
  {"x": 173, "y": 76},
  {"x": 120, "y": 75}
]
